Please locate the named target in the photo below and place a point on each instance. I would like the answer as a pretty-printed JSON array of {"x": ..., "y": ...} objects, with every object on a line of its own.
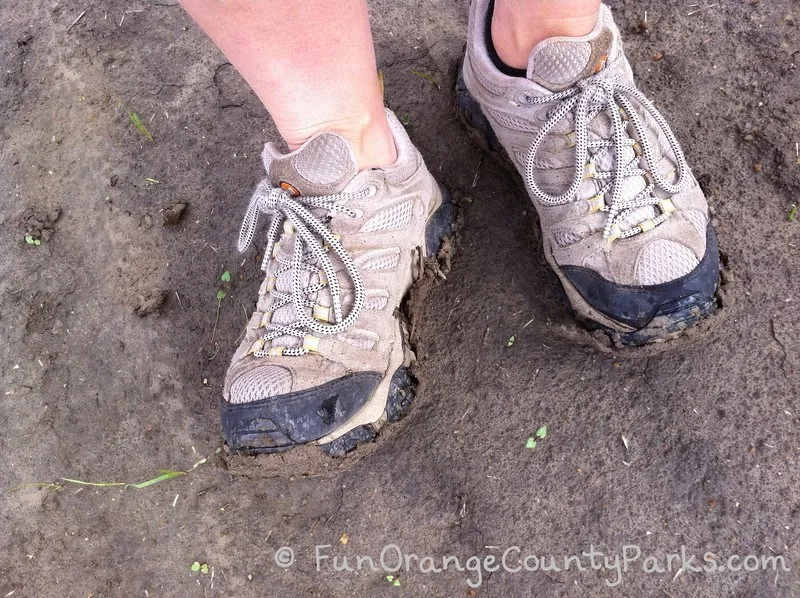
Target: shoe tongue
[
  {"x": 559, "y": 63},
  {"x": 323, "y": 165}
]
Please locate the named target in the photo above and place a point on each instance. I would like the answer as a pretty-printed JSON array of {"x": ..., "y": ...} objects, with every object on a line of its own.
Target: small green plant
[
  {"x": 196, "y": 566},
  {"x": 395, "y": 581},
  {"x": 220, "y": 296},
  {"x": 405, "y": 119},
  {"x": 31, "y": 240},
  {"x": 137, "y": 122},
  {"x": 164, "y": 474},
  {"x": 226, "y": 276},
  {"x": 510, "y": 341},
  {"x": 540, "y": 434},
  {"x": 793, "y": 213}
]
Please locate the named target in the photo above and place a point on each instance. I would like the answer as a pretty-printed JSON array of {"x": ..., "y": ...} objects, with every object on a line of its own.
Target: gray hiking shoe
[
  {"x": 624, "y": 223},
  {"x": 324, "y": 356}
]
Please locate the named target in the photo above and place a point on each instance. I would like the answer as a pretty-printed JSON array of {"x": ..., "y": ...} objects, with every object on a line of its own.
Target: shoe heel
[
  {"x": 402, "y": 390},
  {"x": 477, "y": 125},
  {"x": 441, "y": 224},
  {"x": 471, "y": 115}
]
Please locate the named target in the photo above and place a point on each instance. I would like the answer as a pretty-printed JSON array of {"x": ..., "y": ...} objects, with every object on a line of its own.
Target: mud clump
[
  {"x": 40, "y": 224},
  {"x": 151, "y": 303},
  {"x": 174, "y": 213}
]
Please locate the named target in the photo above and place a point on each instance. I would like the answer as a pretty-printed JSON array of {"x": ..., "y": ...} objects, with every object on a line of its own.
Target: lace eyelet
[
  {"x": 521, "y": 98},
  {"x": 372, "y": 190}
]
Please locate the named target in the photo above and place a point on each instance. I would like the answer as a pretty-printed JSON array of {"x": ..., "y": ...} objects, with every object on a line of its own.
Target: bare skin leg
[
  {"x": 311, "y": 63},
  {"x": 518, "y": 25}
]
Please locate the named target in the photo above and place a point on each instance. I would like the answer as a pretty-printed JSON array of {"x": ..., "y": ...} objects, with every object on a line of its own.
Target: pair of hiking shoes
[{"x": 624, "y": 223}]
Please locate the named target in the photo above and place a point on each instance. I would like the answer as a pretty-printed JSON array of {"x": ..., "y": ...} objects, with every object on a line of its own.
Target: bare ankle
[
  {"x": 375, "y": 146},
  {"x": 517, "y": 28}
]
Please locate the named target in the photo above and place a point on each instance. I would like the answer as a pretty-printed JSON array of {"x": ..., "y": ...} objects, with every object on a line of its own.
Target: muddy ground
[{"x": 114, "y": 345}]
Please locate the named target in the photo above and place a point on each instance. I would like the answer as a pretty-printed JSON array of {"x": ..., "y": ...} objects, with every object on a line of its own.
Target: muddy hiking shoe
[
  {"x": 624, "y": 223},
  {"x": 324, "y": 359}
]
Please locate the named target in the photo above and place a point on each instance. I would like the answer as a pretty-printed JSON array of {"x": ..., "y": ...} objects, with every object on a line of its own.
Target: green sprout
[
  {"x": 137, "y": 122},
  {"x": 226, "y": 276},
  {"x": 540, "y": 434},
  {"x": 220, "y": 296},
  {"x": 31, "y": 240},
  {"x": 393, "y": 580},
  {"x": 164, "y": 474}
]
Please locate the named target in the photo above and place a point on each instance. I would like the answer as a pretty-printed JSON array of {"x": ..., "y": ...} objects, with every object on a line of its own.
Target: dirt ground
[{"x": 114, "y": 345}]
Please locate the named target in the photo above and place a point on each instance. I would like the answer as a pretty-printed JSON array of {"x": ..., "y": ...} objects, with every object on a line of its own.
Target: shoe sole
[
  {"x": 389, "y": 401},
  {"x": 663, "y": 327}
]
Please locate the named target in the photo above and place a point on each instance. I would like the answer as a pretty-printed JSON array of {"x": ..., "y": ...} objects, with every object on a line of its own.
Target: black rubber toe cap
[
  {"x": 278, "y": 423},
  {"x": 636, "y": 306}
]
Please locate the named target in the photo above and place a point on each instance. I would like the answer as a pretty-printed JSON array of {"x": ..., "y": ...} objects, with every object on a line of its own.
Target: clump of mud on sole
[{"x": 697, "y": 332}]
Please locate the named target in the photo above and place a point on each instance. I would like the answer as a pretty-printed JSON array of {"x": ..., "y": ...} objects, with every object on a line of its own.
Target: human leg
[
  {"x": 518, "y": 25},
  {"x": 312, "y": 64}
]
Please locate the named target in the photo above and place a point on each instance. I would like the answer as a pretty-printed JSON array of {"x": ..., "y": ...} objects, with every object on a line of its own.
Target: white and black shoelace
[
  {"x": 586, "y": 100},
  {"x": 312, "y": 242}
]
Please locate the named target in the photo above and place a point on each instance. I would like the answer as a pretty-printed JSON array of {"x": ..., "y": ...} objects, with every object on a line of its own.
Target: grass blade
[
  {"x": 137, "y": 122},
  {"x": 97, "y": 484},
  {"x": 166, "y": 474}
]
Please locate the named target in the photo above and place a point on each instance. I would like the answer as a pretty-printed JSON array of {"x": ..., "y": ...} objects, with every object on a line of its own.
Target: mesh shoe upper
[
  {"x": 612, "y": 188},
  {"x": 340, "y": 249}
]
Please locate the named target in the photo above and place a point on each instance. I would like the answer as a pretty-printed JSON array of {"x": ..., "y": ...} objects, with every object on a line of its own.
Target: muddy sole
[
  {"x": 605, "y": 337},
  {"x": 316, "y": 459}
]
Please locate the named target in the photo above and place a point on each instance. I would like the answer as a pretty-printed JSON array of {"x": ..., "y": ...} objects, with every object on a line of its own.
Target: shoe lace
[
  {"x": 312, "y": 242},
  {"x": 586, "y": 100}
]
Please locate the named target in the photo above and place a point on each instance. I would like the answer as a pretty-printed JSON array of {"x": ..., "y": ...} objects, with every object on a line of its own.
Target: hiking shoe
[
  {"x": 324, "y": 359},
  {"x": 625, "y": 224}
]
